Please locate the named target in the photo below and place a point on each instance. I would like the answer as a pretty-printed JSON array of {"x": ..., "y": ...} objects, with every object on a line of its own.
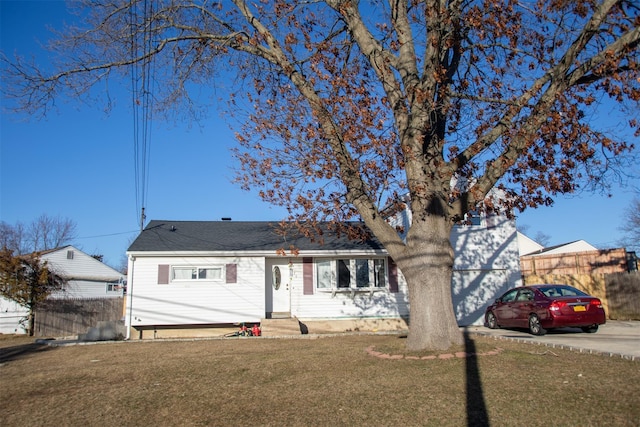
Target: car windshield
[{"x": 562, "y": 291}]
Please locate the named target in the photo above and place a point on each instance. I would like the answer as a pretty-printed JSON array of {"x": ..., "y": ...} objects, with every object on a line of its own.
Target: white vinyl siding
[
  {"x": 188, "y": 302},
  {"x": 87, "y": 277}
]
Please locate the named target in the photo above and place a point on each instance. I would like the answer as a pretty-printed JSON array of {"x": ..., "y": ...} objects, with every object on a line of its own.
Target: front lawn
[{"x": 330, "y": 381}]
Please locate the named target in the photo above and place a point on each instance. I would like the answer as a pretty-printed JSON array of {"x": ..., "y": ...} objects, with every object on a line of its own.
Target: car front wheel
[
  {"x": 590, "y": 329},
  {"x": 492, "y": 322},
  {"x": 534, "y": 325}
]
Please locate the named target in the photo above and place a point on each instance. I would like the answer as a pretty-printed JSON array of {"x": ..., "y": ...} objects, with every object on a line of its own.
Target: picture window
[
  {"x": 351, "y": 274},
  {"x": 210, "y": 273}
]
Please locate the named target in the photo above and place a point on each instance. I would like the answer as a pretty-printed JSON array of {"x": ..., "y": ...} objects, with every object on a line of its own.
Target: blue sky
[{"x": 78, "y": 163}]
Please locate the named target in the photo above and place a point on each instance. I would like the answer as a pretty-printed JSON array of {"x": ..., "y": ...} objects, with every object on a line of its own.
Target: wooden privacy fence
[
  {"x": 619, "y": 292},
  {"x": 69, "y": 317},
  {"x": 623, "y": 293},
  {"x": 604, "y": 261}
]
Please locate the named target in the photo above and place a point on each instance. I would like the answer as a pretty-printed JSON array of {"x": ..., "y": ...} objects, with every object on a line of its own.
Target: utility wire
[{"x": 142, "y": 98}]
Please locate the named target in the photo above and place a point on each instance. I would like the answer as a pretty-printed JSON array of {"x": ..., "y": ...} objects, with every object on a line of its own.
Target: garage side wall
[{"x": 486, "y": 265}]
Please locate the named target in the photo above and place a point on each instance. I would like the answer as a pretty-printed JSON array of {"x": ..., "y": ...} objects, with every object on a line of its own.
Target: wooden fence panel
[
  {"x": 69, "y": 317},
  {"x": 623, "y": 293},
  {"x": 619, "y": 292},
  {"x": 604, "y": 261}
]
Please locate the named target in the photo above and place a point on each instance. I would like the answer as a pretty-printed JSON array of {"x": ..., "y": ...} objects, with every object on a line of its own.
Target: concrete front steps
[{"x": 280, "y": 327}]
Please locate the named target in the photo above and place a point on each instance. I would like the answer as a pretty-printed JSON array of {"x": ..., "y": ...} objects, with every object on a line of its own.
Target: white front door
[{"x": 279, "y": 279}]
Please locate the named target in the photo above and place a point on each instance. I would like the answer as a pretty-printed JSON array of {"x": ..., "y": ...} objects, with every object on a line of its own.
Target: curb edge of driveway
[{"x": 559, "y": 346}]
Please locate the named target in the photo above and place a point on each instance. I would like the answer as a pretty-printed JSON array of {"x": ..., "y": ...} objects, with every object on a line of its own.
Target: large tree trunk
[
  {"x": 31, "y": 322},
  {"x": 427, "y": 266}
]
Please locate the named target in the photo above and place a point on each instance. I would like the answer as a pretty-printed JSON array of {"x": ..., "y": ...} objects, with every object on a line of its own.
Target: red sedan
[{"x": 543, "y": 307}]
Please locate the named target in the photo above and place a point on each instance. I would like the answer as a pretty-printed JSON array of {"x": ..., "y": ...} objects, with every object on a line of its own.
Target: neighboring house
[
  {"x": 526, "y": 245},
  {"x": 565, "y": 248},
  {"x": 86, "y": 278},
  {"x": 12, "y": 317},
  {"x": 202, "y": 273}
]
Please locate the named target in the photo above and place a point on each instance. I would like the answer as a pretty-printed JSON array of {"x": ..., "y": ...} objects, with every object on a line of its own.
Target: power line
[
  {"x": 107, "y": 235},
  {"x": 142, "y": 98}
]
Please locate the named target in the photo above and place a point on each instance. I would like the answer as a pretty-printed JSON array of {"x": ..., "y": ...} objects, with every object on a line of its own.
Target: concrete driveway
[{"x": 615, "y": 338}]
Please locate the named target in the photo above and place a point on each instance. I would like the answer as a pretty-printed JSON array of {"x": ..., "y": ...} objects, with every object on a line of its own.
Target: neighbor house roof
[
  {"x": 237, "y": 236},
  {"x": 571, "y": 247},
  {"x": 527, "y": 245}
]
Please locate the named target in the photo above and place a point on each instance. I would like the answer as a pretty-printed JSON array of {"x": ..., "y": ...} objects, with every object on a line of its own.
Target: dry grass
[{"x": 310, "y": 382}]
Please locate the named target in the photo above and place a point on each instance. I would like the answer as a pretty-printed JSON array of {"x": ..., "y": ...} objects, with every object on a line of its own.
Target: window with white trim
[
  {"x": 189, "y": 273},
  {"x": 113, "y": 287},
  {"x": 351, "y": 274}
]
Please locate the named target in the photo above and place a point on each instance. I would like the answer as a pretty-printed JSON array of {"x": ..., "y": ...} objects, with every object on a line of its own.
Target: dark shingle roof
[{"x": 214, "y": 236}]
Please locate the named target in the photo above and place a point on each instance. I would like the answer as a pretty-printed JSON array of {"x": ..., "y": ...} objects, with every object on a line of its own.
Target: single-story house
[{"x": 198, "y": 274}]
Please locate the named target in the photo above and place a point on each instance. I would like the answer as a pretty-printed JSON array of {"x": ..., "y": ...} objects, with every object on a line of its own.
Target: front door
[{"x": 279, "y": 288}]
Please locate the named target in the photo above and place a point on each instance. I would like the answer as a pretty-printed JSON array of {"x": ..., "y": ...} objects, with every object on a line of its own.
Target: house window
[
  {"x": 349, "y": 274},
  {"x": 324, "y": 274},
  {"x": 473, "y": 218},
  {"x": 211, "y": 273},
  {"x": 113, "y": 287}
]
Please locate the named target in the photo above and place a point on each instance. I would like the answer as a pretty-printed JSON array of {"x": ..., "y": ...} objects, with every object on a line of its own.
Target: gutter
[{"x": 129, "y": 299}]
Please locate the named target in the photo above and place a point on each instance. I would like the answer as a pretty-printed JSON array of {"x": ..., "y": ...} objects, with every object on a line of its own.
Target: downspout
[{"x": 129, "y": 323}]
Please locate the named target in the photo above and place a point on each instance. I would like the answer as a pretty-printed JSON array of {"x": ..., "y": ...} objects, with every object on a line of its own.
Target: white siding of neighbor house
[
  {"x": 87, "y": 277},
  {"x": 324, "y": 304},
  {"x": 197, "y": 302},
  {"x": 527, "y": 245},
  {"x": 88, "y": 289},
  {"x": 568, "y": 248},
  {"x": 12, "y": 317}
]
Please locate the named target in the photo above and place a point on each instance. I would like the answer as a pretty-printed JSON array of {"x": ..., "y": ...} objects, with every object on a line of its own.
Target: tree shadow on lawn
[
  {"x": 8, "y": 354},
  {"x": 477, "y": 415}
]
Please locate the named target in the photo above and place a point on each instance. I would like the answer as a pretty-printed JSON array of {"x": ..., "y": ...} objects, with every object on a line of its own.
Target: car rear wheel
[
  {"x": 590, "y": 329},
  {"x": 492, "y": 322},
  {"x": 534, "y": 325}
]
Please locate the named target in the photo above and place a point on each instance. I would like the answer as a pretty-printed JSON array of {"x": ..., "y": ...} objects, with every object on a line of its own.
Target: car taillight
[
  {"x": 596, "y": 302},
  {"x": 557, "y": 305}
]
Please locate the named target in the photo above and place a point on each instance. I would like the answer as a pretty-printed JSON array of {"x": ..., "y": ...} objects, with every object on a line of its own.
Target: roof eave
[{"x": 269, "y": 253}]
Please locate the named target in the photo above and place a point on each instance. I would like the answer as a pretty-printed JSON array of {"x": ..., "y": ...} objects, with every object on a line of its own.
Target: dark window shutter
[
  {"x": 307, "y": 276},
  {"x": 232, "y": 273},
  {"x": 163, "y": 274},
  {"x": 393, "y": 276}
]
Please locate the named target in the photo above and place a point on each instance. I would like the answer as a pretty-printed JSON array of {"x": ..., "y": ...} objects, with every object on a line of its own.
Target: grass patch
[{"x": 301, "y": 382}]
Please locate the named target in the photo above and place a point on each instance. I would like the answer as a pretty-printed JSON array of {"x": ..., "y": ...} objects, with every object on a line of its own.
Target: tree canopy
[
  {"x": 631, "y": 225},
  {"x": 348, "y": 105},
  {"x": 43, "y": 233}
]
